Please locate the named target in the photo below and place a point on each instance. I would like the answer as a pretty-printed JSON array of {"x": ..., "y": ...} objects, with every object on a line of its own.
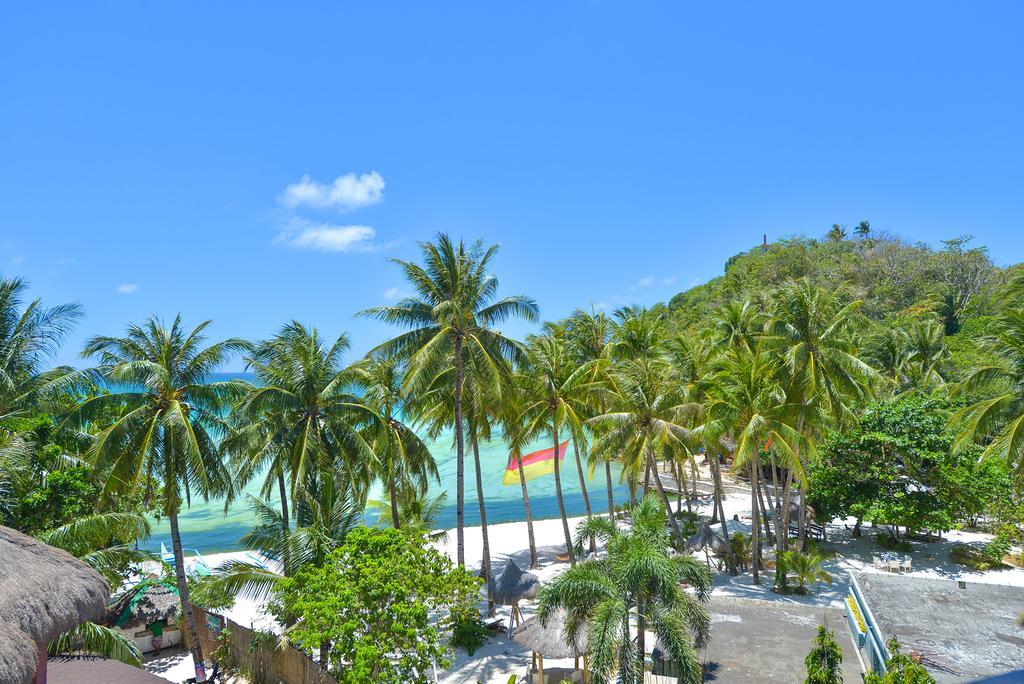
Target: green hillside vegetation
[{"x": 898, "y": 284}]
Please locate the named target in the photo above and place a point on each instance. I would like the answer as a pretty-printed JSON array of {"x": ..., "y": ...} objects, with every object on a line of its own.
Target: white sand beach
[{"x": 500, "y": 658}]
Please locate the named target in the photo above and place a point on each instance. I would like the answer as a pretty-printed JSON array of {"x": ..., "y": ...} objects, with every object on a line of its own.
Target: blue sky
[{"x": 153, "y": 157}]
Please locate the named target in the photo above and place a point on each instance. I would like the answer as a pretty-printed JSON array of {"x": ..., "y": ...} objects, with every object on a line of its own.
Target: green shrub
[{"x": 469, "y": 631}]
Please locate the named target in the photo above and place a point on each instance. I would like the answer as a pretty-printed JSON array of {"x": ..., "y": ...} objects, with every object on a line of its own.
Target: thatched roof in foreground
[
  {"x": 43, "y": 592},
  {"x": 17, "y": 655},
  {"x": 549, "y": 640},
  {"x": 513, "y": 584}
]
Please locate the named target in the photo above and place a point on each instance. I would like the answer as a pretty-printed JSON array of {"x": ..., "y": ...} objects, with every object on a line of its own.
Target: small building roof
[
  {"x": 550, "y": 640},
  {"x": 84, "y": 670},
  {"x": 44, "y": 591},
  {"x": 145, "y": 603},
  {"x": 961, "y": 634}
]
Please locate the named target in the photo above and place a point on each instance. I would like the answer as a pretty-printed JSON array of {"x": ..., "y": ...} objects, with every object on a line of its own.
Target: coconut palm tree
[
  {"x": 403, "y": 460},
  {"x": 746, "y": 401},
  {"x": 999, "y": 416},
  {"x": 813, "y": 330},
  {"x": 30, "y": 334},
  {"x": 805, "y": 568},
  {"x": 168, "y": 426},
  {"x": 693, "y": 359},
  {"x": 516, "y": 437},
  {"x": 556, "y": 403},
  {"x": 302, "y": 418},
  {"x": 591, "y": 334},
  {"x": 645, "y": 420},
  {"x": 638, "y": 579},
  {"x": 451, "y": 315}
]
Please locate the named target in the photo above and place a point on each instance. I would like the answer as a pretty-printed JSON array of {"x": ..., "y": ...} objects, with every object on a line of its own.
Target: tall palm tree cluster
[{"x": 753, "y": 391}]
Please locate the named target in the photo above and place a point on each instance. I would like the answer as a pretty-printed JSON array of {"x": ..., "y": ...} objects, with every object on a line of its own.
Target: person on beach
[{"x": 157, "y": 628}]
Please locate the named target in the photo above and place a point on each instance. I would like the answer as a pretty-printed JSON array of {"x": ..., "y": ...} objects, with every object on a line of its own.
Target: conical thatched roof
[
  {"x": 43, "y": 591},
  {"x": 513, "y": 584},
  {"x": 706, "y": 538},
  {"x": 145, "y": 603},
  {"x": 549, "y": 640}
]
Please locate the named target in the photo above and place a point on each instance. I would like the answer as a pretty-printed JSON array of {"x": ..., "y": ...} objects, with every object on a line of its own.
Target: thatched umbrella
[
  {"x": 512, "y": 585},
  {"x": 550, "y": 640},
  {"x": 704, "y": 539},
  {"x": 43, "y": 592}
]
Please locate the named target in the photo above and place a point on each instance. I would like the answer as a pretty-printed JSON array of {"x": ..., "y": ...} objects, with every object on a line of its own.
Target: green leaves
[{"x": 382, "y": 604}]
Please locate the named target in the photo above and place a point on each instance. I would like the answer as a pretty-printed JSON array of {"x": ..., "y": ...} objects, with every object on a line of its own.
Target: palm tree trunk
[
  {"x": 558, "y": 495},
  {"x": 764, "y": 509},
  {"x": 717, "y": 477},
  {"x": 194, "y": 646},
  {"x": 460, "y": 451},
  {"x": 641, "y": 640},
  {"x": 485, "y": 563},
  {"x": 647, "y": 479},
  {"x": 611, "y": 500},
  {"x": 583, "y": 484},
  {"x": 782, "y": 541},
  {"x": 583, "y": 479},
  {"x": 664, "y": 500},
  {"x": 680, "y": 486},
  {"x": 282, "y": 490},
  {"x": 755, "y": 532},
  {"x": 393, "y": 493},
  {"x": 529, "y": 515}
]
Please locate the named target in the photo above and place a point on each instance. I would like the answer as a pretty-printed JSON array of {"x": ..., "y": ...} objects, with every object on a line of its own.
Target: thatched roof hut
[
  {"x": 549, "y": 640},
  {"x": 706, "y": 538},
  {"x": 43, "y": 592},
  {"x": 513, "y": 584},
  {"x": 145, "y": 603}
]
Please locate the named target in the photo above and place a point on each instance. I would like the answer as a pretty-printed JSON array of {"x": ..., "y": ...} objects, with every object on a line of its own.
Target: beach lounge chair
[
  {"x": 905, "y": 565},
  {"x": 877, "y": 561},
  {"x": 894, "y": 566}
]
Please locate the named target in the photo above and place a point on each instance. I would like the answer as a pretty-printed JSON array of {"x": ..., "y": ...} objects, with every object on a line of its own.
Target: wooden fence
[{"x": 264, "y": 662}]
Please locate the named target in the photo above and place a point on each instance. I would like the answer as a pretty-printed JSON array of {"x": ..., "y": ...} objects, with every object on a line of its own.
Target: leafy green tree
[
  {"x": 889, "y": 469},
  {"x": 637, "y": 578},
  {"x": 825, "y": 660},
  {"x": 452, "y": 314},
  {"x": 170, "y": 419},
  {"x": 382, "y": 603},
  {"x": 900, "y": 669}
]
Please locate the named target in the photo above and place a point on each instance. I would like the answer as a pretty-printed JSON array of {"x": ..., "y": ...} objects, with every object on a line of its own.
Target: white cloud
[
  {"x": 326, "y": 237},
  {"x": 126, "y": 288},
  {"x": 395, "y": 293},
  {"x": 344, "y": 193},
  {"x": 646, "y": 281},
  {"x": 668, "y": 281},
  {"x": 15, "y": 260}
]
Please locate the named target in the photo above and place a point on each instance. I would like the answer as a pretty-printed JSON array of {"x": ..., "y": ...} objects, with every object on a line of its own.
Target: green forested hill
[{"x": 898, "y": 283}]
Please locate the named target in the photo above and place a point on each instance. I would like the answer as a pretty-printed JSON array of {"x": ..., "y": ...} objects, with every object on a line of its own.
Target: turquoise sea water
[{"x": 208, "y": 528}]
